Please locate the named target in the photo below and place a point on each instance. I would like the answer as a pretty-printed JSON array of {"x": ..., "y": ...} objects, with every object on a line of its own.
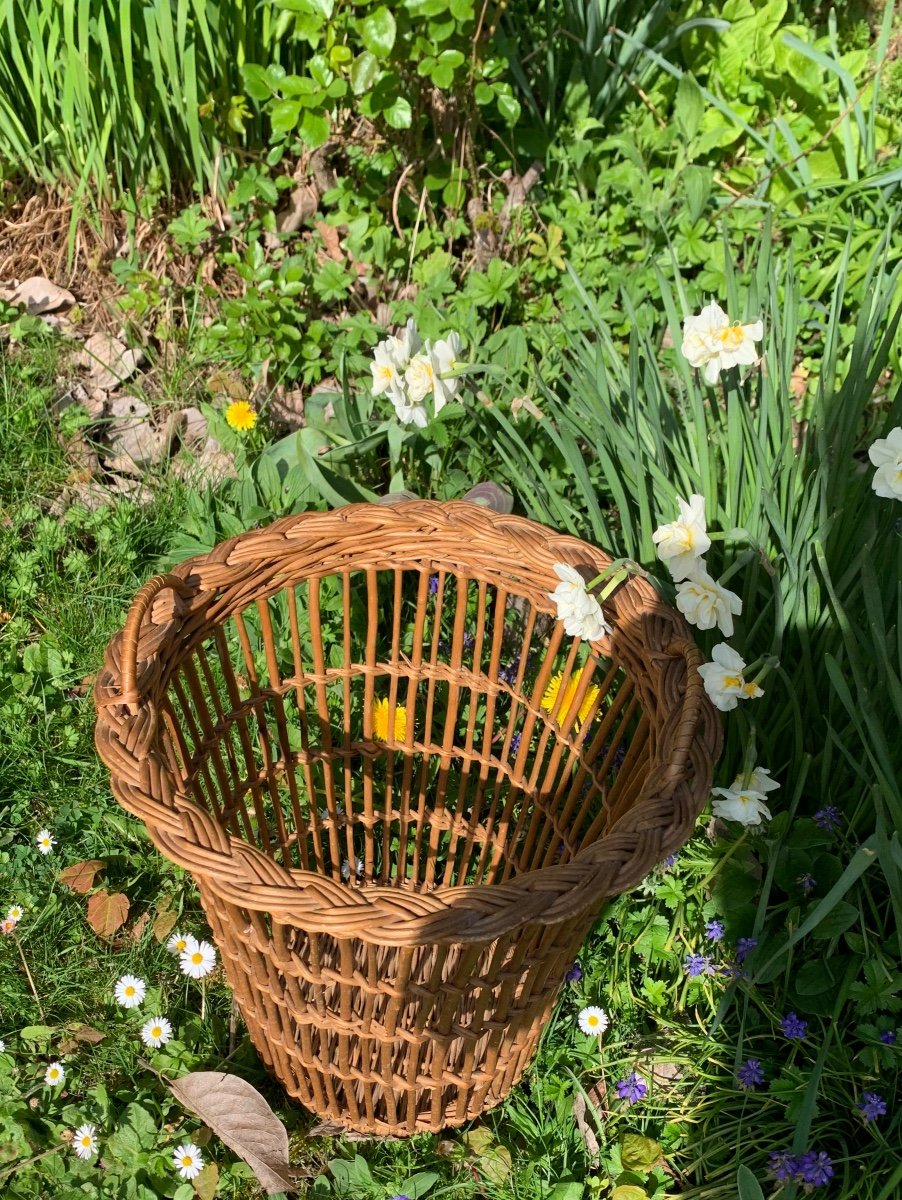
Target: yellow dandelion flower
[
  {"x": 241, "y": 416},
  {"x": 380, "y": 722},
  {"x": 551, "y": 695}
]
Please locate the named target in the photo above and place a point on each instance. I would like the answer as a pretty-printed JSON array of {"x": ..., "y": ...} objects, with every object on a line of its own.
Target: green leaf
[
  {"x": 284, "y": 116},
  {"x": 697, "y": 184},
  {"x": 638, "y": 1153},
  {"x": 399, "y": 115},
  {"x": 418, "y": 1185},
  {"x": 837, "y": 921},
  {"x": 378, "y": 32},
  {"x": 569, "y": 1189},
  {"x": 256, "y": 81},
  {"x": 314, "y": 130},
  {"x": 364, "y": 71},
  {"x": 690, "y": 107},
  {"x": 747, "y": 1186},
  {"x": 36, "y": 1033}
]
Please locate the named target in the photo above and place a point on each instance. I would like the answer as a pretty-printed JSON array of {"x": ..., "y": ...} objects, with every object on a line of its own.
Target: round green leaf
[
  {"x": 314, "y": 129},
  {"x": 284, "y": 115},
  {"x": 378, "y": 32},
  {"x": 364, "y": 70},
  {"x": 400, "y": 114},
  {"x": 484, "y": 93}
]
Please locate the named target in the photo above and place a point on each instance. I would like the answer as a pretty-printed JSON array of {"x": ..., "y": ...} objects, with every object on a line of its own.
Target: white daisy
[
  {"x": 197, "y": 959},
  {"x": 178, "y": 943},
  {"x": 156, "y": 1032},
  {"x": 2, "y": 1046},
  {"x": 46, "y": 841},
  {"x": 129, "y": 991},
  {"x": 16, "y": 913},
  {"x": 593, "y": 1020},
  {"x": 54, "y": 1074},
  {"x": 84, "y": 1143},
  {"x": 188, "y": 1160}
]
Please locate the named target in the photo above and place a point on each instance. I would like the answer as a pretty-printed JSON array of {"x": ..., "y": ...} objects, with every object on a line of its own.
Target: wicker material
[{"x": 396, "y": 916}]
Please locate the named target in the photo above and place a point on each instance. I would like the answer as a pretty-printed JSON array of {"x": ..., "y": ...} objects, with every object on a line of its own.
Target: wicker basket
[{"x": 403, "y": 791}]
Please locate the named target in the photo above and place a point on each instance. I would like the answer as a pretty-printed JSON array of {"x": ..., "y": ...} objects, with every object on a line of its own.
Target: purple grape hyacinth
[
  {"x": 815, "y": 1168},
  {"x": 744, "y": 947},
  {"x": 829, "y": 818},
  {"x": 632, "y": 1088},
  {"x": 783, "y": 1165},
  {"x": 888, "y": 1037},
  {"x": 872, "y": 1106},
  {"x": 807, "y": 883},
  {"x": 794, "y": 1027},
  {"x": 750, "y": 1074},
  {"x": 714, "y": 931},
  {"x": 575, "y": 974},
  {"x": 697, "y": 964}
]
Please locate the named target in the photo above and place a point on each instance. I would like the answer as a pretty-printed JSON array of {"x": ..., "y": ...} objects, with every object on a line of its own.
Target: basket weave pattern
[{"x": 404, "y": 793}]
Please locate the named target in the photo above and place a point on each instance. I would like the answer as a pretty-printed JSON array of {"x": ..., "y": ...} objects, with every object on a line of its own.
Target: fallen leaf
[
  {"x": 80, "y": 876},
  {"x": 137, "y": 930},
  {"x": 492, "y": 1161},
  {"x": 240, "y": 1117},
  {"x": 331, "y": 240},
  {"x": 638, "y": 1153},
  {"x": 336, "y": 1129},
  {"x": 38, "y": 295},
  {"x": 80, "y": 1034},
  {"x": 108, "y": 360},
  {"x": 164, "y": 923},
  {"x": 107, "y": 911},
  {"x": 206, "y": 1182},
  {"x": 586, "y": 1129}
]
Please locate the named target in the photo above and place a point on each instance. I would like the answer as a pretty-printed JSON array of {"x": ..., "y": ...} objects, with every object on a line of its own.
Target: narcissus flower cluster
[
  {"x": 715, "y": 343},
  {"x": 407, "y": 370}
]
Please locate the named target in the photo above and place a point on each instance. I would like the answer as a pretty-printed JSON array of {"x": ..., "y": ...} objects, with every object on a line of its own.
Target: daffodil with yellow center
[
  {"x": 380, "y": 722},
  {"x": 569, "y": 697}
]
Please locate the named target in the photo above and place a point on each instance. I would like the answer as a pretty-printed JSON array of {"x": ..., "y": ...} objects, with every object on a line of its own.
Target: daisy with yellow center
[
  {"x": 593, "y": 1020},
  {"x": 46, "y": 841},
  {"x": 156, "y": 1032},
  {"x": 380, "y": 722},
  {"x": 84, "y": 1143},
  {"x": 55, "y": 1074},
  {"x": 188, "y": 1160},
  {"x": 177, "y": 943},
  {"x": 129, "y": 991},
  {"x": 240, "y": 416},
  {"x": 197, "y": 959},
  {"x": 568, "y": 700},
  {"x": 16, "y": 913}
]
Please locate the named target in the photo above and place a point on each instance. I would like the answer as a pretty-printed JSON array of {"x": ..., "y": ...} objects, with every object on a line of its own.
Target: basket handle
[{"x": 140, "y": 606}]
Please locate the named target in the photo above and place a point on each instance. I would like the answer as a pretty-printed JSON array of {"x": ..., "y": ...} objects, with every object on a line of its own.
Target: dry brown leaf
[
  {"x": 38, "y": 295},
  {"x": 240, "y": 1117},
  {"x": 80, "y": 1034},
  {"x": 80, "y": 877},
  {"x": 206, "y": 1182},
  {"x": 336, "y": 1129},
  {"x": 164, "y": 923},
  {"x": 137, "y": 930},
  {"x": 108, "y": 361},
  {"x": 107, "y": 911},
  {"x": 331, "y": 241}
]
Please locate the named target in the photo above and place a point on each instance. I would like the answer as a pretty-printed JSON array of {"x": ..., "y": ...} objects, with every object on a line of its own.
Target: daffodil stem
[{"x": 34, "y": 990}]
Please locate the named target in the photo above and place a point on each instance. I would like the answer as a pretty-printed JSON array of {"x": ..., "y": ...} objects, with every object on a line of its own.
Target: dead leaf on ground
[
  {"x": 336, "y": 1129},
  {"x": 107, "y": 912},
  {"x": 80, "y": 877},
  {"x": 38, "y": 295},
  {"x": 137, "y": 930},
  {"x": 331, "y": 241},
  {"x": 240, "y": 1117},
  {"x": 206, "y": 1182},
  {"x": 108, "y": 361},
  {"x": 81, "y": 1034},
  {"x": 586, "y": 1129},
  {"x": 164, "y": 923},
  {"x": 490, "y": 1160}
]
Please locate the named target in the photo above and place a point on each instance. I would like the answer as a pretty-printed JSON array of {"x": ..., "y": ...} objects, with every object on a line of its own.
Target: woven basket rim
[{"x": 241, "y": 873}]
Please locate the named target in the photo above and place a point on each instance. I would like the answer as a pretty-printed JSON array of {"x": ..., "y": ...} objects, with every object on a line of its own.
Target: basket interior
[{"x": 413, "y": 727}]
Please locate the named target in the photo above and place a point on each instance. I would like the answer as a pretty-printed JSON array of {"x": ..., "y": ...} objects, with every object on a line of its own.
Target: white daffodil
[
  {"x": 593, "y": 1020},
  {"x": 712, "y": 341},
  {"x": 409, "y": 413},
  {"x": 55, "y": 1074},
  {"x": 580, "y": 613},
  {"x": 886, "y": 455},
  {"x": 445, "y": 355},
  {"x": 420, "y": 376},
  {"x": 404, "y": 345},
  {"x": 178, "y": 942},
  {"x": 758, "y": 780},
  {"x": 129, "y": 991},
  {"x": 387, "y": 373},
  {"x": 703, "y": 602},
  {"x": 46, "y": 841},
  {"x": 84, "y": 1143},
  {"x": 682, "y": 543},
  {"x": 724, "y": 681},
  {"x": 156, "y": 1032},
  {"x": 188, "y": 1160},
  {"x": 197, "y": 959},
  {"x": 740, "y": 804}
]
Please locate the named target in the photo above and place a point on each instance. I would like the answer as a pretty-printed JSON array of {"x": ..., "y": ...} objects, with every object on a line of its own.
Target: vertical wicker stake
[{"x": 403, "y": 792}]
